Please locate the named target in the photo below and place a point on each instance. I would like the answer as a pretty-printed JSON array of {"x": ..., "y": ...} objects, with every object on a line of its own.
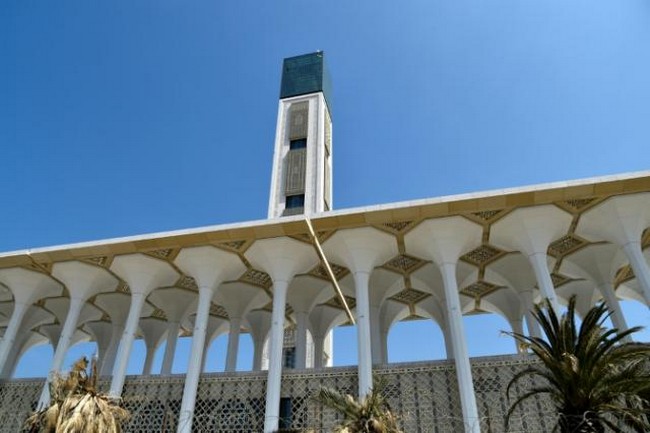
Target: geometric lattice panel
[
  {"x": 17, "y": 399},
  {"x": 487, "y": 215},
  {"x": 123, "y": 288},
  {"x": 479, "y": 288},
  {"x": 404, "y": 264},
  {"x": 99, "y": 260},
  {"x": 306, "y": 237},
  {"x": 491, "y": 378},
  {"x": 306, "y": 412},
  {"x": 165, "y": 253},
  {"x": 482, "y": 255},
  {"x": 233, "y": 245},
  {"x": 578, "y": 203},
  {"x": 159, "y": 314},
  {"x": 257, "y": 278},
  {"x": 187, "y": 282},
  {"x": 321, "y": 272},
  {"x": 230, "y": 404},
  {"x": 423, "y": 395},
  {"x": 565, "y": 245},
  {"x": 398, "y": 227},
  {"x": 409, "y": 296},
  {"x": 218, "y": 311},
  {"x": 336, "y": 302}
]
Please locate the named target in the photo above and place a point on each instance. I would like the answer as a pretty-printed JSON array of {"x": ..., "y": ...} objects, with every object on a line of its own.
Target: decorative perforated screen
[{"x": 424, "y": 395}]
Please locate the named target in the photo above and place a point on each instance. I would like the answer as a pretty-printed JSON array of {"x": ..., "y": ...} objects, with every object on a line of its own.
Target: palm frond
[
  {"x": 592, "y": 374},
  {"x": 76, "y": 406},
  {"x": 370, "y": 415}
]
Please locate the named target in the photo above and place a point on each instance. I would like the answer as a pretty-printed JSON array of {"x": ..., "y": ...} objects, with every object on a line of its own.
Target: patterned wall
[{"x": 424, "y": 395}]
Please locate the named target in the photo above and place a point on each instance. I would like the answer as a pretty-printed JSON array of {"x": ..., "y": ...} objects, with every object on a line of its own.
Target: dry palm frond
[
  {"x": 77, "y": 407},
  {"x": 43, "y": 421},
  {"x": 90, "y": 413}
]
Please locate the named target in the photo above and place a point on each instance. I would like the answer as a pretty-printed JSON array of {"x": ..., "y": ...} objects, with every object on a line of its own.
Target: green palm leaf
[
  {"x": 595, "y": 377},
  {"x": 370, "y": 415}
]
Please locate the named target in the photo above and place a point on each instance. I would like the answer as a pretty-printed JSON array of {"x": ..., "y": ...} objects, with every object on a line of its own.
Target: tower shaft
[{"x": 302, "y": 161}]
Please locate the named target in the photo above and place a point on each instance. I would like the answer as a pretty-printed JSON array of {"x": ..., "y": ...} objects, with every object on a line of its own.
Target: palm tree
[
  {"x": 77, "y": 407},
  {"x": 595, "y": 378},
  {"x": 370, "y": 415}
]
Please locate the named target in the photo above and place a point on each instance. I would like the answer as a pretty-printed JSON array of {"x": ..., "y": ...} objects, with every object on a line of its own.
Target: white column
[
  {"x": 361, "y": 279},
  {"x": 102, "y": 333},
  {"x": 531, "y": 322},
  {"x": 101, "y": 350},
  {"x": 614, "y": 307},
  {"x": 375, "y": 336},
  {"x": 538, "y": 262},
  {"x": 639, "y": 266},
  {"x": 384, "y": 347},
  {"x": 518, "y": 327},
  {"x": 14, "y": 356},
  {"x": 461, "y": 357},
  {"x": 362, "y": 250},
  {"x": 170, "y": 348},
  {"x": 195, "y": 364},
  {"x": 148, "y": 360},
  {"x": 272, "y": 415},
  {"x": 111, "y": 353},
  {"x": 126, "y": 344},
  {"x": 449, "y": 347},
  {"x": 301, "y": 340},
  {"x": 258, "y": 348},
  {"x": 319, "y": 347},
  {"x": 281, "y": 258},
  {"x": 209, "y": 267},
  {"x": 233, "y": 343},
  {"x": 204, "y": 359},
  {"x": 11, "y": 331},
  {"x": 10, "y": 364},
  {"x": 69, "y": 327}
]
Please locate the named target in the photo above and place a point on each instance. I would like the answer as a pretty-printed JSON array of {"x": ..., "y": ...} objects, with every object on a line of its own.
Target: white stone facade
[
  {"x": 318, "y": 169},
  {"x": 438, "y": 259}
]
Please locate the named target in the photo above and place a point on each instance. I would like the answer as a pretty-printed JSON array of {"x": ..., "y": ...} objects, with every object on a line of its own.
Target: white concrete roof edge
[
  {"x": 489, "y": 193},
  {"x": 148, "y": 236},
  {"x": 388, "y": 206}
]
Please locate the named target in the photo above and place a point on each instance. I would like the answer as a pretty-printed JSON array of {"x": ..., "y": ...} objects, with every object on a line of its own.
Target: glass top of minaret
[{"x": 306, "y": 74}]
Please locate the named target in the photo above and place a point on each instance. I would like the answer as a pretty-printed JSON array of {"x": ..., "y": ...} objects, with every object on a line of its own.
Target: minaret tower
[{"x": 301, "y": 182}]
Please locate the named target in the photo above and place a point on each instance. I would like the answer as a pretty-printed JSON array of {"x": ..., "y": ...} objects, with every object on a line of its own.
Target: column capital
[
  {"x": 209, "y": 266},
  {"x": 360, "y": 249},
  {"x": 84, "y": 280},
  {"x": 143, "y": 273},
  {"x": 443, "y": 240},
  {"x": 281, "y": 258}
]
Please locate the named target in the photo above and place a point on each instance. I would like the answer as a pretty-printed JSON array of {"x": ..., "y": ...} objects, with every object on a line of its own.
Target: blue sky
[{"x": 121, "y": 117}]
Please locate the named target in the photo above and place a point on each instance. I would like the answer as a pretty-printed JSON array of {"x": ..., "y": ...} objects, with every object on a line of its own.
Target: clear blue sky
[{"x": 122, "y": 117}]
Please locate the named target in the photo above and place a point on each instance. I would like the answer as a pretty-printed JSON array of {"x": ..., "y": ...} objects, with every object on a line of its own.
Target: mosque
[{"x": 289, "y": 280}]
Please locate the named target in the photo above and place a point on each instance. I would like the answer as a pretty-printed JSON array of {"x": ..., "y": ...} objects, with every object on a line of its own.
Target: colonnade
[{"x": 439, "y": 243}]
